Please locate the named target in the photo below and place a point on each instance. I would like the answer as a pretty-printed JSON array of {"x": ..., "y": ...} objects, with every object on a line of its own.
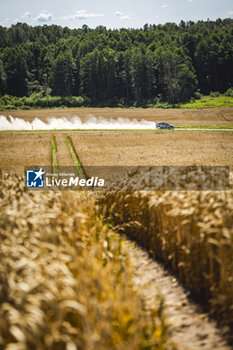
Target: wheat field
[
  {"x": 66, "y": 279},
  {"x": 190, "y": 231}
]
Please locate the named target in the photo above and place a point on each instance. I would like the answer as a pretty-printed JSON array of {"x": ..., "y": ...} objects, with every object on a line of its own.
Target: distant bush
[
  {"x": 42, "y": 100},
  {"x": 74, "y": 101},
  {"x": 37, "y": 100},
  {"x": 198, "y": 95},
  {"x": 214, "y": 94},
  {"x": 229, "y": 92}
]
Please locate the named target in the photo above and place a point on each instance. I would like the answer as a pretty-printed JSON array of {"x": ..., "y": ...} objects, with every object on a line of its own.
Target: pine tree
[
  {"x": 16, "y": 72},
  {"x": 62, "y": 75}
]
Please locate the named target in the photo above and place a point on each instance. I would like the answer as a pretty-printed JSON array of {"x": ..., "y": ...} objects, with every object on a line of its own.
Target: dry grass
[
  {"x": 153, "y": 148},
  {"x": 65, "y": 279},
  {"x": 116, "y": 148},
  {"x": 191, "y": 231}
]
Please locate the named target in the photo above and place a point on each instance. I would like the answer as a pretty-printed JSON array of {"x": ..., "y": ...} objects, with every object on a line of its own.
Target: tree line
[{"x": 170, "y": 63}]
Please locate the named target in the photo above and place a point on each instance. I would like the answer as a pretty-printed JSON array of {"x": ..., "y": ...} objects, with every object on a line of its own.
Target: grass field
[
  {"x": 210, "y": 102},
  {"x": 54, "y": 155}
]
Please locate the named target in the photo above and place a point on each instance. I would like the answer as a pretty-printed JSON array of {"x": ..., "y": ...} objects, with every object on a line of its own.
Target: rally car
[{"x": 164, "y": 125}]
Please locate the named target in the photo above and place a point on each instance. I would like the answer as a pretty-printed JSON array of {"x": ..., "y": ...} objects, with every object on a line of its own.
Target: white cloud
[
  {"x": 230, "y": 13},
  {"x": 44, "y": 17},
  {"x": 82, "y": 14},
  {"x": 124, "y": 17},
  {"x": 27, "y": 15},
  {"x": 121, "y": 15},
  {"x": 164, "y": 6},
  {"x": 189, "y": 0}
]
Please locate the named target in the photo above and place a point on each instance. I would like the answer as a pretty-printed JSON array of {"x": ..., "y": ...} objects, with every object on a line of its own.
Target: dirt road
[
  {"x": 190, "y": 327},
  {"x": 205, "y": 117}
]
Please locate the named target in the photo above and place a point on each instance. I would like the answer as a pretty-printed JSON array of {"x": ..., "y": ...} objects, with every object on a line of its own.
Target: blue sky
[{"x": 109, "y": 13}]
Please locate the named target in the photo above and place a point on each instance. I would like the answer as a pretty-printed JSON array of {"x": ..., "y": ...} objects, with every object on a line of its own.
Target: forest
[{"x": 115, "y": 67}]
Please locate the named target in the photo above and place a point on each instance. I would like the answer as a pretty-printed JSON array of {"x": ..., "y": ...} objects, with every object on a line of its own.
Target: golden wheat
[
  {"x": 191, "y": 231},
  {"x": 65, "y": 280}
]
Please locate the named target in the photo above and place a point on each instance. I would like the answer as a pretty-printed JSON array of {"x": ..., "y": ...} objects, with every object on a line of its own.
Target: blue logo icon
[{"x": 35, "y": 178}]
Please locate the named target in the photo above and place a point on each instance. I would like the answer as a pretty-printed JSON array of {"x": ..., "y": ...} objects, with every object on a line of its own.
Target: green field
[{"x": 210, "y": 102}]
